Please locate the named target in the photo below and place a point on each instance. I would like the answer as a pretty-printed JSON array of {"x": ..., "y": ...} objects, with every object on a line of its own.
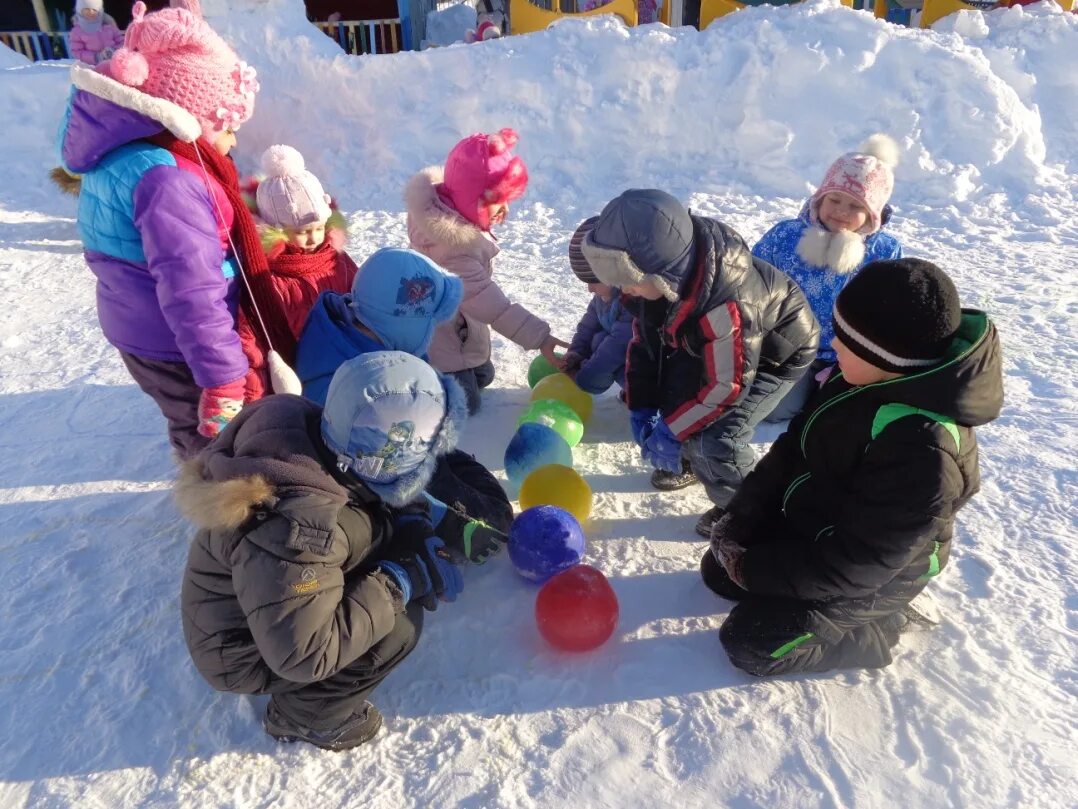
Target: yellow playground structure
[{"x": 526, "y": 17}]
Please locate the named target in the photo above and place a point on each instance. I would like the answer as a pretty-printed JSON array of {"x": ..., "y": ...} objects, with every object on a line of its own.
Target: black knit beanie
[
  {"x": 898, "y": 315},
  {"x": 577, "y": 262}
]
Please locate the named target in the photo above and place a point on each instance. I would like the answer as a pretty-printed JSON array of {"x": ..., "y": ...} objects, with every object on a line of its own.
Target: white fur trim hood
[
  {"x": 842, "y": 252},
  {"x": 427, "y": 212},
  {"x": 173, "y": 117}
]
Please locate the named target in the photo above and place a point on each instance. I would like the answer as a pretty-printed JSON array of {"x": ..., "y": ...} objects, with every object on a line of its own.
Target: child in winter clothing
[
  {"x": 160, "y": 211},
  {"x": 311, "y": 567},
  {"x": 304, "y": 241},
  {"x": 450, "y": 214},
  {"x": 596, "y": 356},
  {"x": 94, "y": 34},
  {"x": 839, "y": 230},
  {"x": 852, "y": 511},
  {"x": 398, "y": 298},
  {"x": 718, "y": 336}
]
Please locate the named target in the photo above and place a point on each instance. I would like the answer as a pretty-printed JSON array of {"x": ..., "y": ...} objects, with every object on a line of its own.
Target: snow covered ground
[{"x": 99, "y": 705}]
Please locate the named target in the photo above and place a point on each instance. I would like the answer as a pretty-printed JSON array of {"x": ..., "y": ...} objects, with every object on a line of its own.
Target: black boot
[
  {"x": 360, "y": 727},
  {"x": 672, "y": 481},
  {"x": 708, "y": 519}
]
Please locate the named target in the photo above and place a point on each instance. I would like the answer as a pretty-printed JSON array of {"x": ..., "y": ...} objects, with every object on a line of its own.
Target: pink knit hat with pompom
[
  {"x": 867, "y": 176},
  {"x": 481, "y": 171},
  {"x": 174, "y": 54}
]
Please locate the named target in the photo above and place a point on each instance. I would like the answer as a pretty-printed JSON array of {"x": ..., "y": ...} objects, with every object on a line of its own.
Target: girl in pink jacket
[
  {"x": 450, "y": 213},
  {"x": 94, "y": 35}
]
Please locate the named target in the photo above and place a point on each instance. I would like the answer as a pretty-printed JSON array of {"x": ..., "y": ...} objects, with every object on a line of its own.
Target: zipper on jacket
[{"x": 797, "y": 481}]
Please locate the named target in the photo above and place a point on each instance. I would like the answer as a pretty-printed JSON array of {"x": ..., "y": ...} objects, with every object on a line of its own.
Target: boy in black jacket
[
  {"x": 852, "y": 511},
  {"x": 719, "y": 338}
]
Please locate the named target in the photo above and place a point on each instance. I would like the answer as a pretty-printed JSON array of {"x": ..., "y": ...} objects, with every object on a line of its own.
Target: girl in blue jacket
[{"x": 838, "y": 231}]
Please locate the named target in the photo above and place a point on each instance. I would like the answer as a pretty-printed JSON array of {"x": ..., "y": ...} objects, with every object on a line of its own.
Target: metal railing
[
  {"x": 359, "y": 37},
  {"x": 37, "y": 46}
]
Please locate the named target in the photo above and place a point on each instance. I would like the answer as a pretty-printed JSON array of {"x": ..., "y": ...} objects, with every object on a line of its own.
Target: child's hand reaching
[
  {"x": 570, "y": 364},
  {"x": 547, "y": 349}
]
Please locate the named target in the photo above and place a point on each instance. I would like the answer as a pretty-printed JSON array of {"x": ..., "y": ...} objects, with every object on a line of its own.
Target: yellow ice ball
[
  {"x": 562, "y": 388},
  {"x": 557, "y": 485}
]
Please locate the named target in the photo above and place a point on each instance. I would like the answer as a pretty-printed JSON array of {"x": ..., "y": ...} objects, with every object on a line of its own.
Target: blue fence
[{"x": 37, "y": 46}]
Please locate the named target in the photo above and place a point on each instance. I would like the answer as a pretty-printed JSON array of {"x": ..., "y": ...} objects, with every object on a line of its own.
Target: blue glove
[
  {"x": 642, "y": 423},
  {"x": 662, "y": 449},
  {"x": 420, "y": 564}
]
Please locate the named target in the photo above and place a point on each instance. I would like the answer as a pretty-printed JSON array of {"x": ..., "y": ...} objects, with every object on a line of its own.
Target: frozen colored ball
[
  {"x": 556, "y": 415},
  {"x": 543, "y": 541},
  {"x": 540, "y": 368},
  {"x": 577, "y": 610},
  {"x": 534, "y": 445},
  {"x": 561, "y": 388},
  {"x": 557, "y": 485}
]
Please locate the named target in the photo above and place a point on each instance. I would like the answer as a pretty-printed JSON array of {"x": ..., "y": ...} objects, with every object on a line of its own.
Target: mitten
[
  {"x": 420, "y": 558},
  {"x": 728, "y": 554},
  {"x": 217, "y": 406},
  {"x": 571, "y": 363},
  {"x": 662, "y": 448},
  {"x": 469, "y": 537},
  {"x": 642, "y": 423}
]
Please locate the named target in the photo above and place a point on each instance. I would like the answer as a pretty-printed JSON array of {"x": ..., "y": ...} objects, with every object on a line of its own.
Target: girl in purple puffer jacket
[{"x": 147, "y": 131}]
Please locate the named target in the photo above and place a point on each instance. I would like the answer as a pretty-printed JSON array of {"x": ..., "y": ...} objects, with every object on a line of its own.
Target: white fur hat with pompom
[{"x": 290, "y": 196}]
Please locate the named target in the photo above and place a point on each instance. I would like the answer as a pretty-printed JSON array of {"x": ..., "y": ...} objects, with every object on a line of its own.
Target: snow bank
[
  {"x": 11, "y": 58},
  {"x": 1033, "y": 49},
  {"x": 760, "y": 103}
]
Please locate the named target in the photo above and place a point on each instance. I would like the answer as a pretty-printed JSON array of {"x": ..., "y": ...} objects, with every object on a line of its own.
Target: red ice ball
[{"x": 577, "y": 610}]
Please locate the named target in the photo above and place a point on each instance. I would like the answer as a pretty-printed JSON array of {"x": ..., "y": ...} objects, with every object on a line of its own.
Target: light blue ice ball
[{"x": 534, "y": 445}]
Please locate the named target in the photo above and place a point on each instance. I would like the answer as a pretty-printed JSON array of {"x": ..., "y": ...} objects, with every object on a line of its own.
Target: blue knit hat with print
[
  {"x": 388, "y": 417},
  {"x": 401, "y": 295}
]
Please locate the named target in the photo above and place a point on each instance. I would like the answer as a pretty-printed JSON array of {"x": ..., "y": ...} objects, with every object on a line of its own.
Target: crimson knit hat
[
  {"x": 174, "y": 54},
  {"x": 481, "y": 171},
  {"x": 898, "y": 315},
  {"x": 577, "y": 263},
  {"x": 867, "y": 175}
]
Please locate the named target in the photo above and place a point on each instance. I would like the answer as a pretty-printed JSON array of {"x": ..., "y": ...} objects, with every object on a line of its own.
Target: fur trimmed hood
[
  {"x": 225, "y": 504},
  {"x": 275, "y": 239},
  {"x": 271, "y": 454},
  {"x": 432, "y": 219}
]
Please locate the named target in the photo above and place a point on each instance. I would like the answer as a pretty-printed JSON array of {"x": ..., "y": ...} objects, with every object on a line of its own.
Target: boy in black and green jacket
[{"x": 852, "y": 511}]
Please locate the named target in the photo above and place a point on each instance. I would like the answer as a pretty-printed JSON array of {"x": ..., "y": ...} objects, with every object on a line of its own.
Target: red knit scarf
[
  {"x": 297, "y": 264},
  {"x": 245, "y": 236}
]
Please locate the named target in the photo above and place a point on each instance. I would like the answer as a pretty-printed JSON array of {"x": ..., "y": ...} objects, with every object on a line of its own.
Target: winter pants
[
  {"x": 326, "y": 704},
  {"x": 474, "y": 380},
  {"x": 797, "y": 397},
  {"x": 720, "y": 454},
  {"x": 173, "y": 388},
  {"x": 765, "y": 636}
]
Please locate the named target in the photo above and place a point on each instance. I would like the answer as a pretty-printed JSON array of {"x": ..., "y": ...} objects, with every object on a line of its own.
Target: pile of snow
[
  {"x": 1032, "y": 49},
  {"x": 11, "y": 58},
  {"x": 759, "y": 102},
  {"x": 99, "y": 704}
]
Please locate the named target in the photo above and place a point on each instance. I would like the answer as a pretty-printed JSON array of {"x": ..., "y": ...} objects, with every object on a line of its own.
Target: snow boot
[
  {"x": 672, "y": 481},
  {"x": 359, "y": 728},
  {"x": 707, "y": 521},
  {"x": 921, "y": 614}
]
